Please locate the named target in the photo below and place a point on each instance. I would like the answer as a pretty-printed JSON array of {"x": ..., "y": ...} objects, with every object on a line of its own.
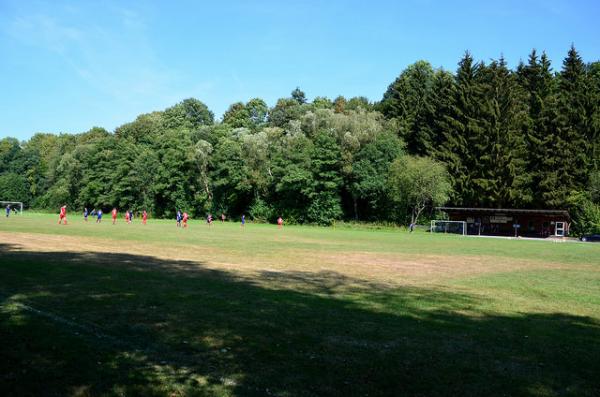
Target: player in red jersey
[
  {"x": 127, "y": 219},
  {"x": 279, "y": 223},
  {"x": 185, "y": 219},
  {"x": 114, "y": 215},
  {"x": 144, "y": 217},
  {"x": 63, "y": 214}
]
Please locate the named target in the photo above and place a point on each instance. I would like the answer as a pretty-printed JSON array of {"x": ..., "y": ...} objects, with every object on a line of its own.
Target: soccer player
[
  {"x": 222, "y": 217},
  {"x": 178, "y": 218},
  {"x": 144, "y": 217},
  {"x": 243, "y": 220},
  {"x": 63, "y": 215},
  {"x": 85, "y": 214},
  {"x": 99, "y": 216},
  {"x": 114, "y": 215},
  {"x": 127, "y": 218},
  {"x": 185, "y": 219},
  {"x": 7, "y": 210},
  {"x": 279, "y": 223},
  {"x": 209, "y": 220}
]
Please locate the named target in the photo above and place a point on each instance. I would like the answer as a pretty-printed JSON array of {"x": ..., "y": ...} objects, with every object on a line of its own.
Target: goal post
[
  {"x": 454, "y": 227},
  {"x": 13, "y": 205}
]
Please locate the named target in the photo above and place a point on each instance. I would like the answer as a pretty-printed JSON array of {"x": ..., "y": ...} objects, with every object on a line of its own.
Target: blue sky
[{"x": 68, "y": 66}]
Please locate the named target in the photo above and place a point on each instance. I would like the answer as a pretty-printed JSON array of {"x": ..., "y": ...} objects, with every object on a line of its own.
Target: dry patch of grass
[
  {"x": 158, "y": 312},
  {"x": 390, "y": 269}
]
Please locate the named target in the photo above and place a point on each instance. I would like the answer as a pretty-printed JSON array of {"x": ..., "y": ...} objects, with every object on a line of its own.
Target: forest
[{"x": 485, "y": 135}]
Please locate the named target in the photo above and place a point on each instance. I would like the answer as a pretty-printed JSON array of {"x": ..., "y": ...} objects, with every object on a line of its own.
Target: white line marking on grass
[{"x": 72, "y": 326}]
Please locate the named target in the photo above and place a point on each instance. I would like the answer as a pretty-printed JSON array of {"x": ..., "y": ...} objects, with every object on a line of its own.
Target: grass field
[{"x": 93, "y": 310}]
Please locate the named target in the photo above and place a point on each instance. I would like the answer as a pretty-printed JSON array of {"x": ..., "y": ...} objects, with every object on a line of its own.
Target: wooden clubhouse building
[{"x": 511, "y": 221}]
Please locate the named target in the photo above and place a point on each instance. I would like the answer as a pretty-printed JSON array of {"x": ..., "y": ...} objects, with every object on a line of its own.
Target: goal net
[
  {"x": 13, "y": 206},
  {"x": 455, "y": 227}
]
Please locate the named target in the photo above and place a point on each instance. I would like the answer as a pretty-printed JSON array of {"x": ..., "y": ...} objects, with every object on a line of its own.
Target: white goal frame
[
  {"x": 19, "y": 203},
  {"x": 435, "y": 222}
]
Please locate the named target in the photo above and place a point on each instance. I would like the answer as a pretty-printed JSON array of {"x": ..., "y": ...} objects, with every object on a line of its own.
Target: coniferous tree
[
  {"x": 570, "y": 150},
  {"x": 537, "y": 80},
  {"x": 325, "y": 201},
  {"x": 438, "y": 119},
  {"x": 504, "y": 180},
  {"x": 438, "y": 109},
  {"x": 407, "y": 100},
  {"x": 593, "y": 77},
  {"x": 299, "y": 96},
  {"x": 464, "y": 136}
]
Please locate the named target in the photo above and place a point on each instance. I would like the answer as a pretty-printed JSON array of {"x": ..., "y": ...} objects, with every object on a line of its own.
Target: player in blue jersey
[{"x": 179, "y": 217}]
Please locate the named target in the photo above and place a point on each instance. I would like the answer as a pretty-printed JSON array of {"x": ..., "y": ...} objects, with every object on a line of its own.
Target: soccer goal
[
  {"x": 455, "y": 227},
  {"x": 13, "y": 206}
]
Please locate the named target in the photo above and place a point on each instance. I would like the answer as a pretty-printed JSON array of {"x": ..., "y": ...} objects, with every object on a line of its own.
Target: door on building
[{"x": 559, "y": 229}]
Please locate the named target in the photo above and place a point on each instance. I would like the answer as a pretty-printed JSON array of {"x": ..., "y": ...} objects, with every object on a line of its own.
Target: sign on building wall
[{"x": 500, "y": 219}]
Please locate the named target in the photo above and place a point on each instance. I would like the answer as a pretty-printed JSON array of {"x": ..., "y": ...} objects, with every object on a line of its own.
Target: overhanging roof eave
[{"x": 505, "y": 210}]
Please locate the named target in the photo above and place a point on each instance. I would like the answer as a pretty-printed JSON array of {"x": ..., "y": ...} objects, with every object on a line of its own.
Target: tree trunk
[{"x": 416, "y": 212}]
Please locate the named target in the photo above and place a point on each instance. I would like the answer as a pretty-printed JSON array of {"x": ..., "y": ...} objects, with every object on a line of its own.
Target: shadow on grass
[{"x": 119, "y": 324}]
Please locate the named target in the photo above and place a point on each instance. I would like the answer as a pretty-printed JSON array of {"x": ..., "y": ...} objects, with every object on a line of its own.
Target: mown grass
[
  {"x": 79, "y": 322},
  {"x": 265, "y": 239}
]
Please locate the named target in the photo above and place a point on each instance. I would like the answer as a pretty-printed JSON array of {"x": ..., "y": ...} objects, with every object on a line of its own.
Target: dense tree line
[
  {"x": 483, "y": 136},
  {"x": 528, "y": 137}
]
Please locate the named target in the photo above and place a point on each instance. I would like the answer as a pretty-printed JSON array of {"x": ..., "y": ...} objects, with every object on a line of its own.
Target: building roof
[{"x": 505, "y": 210}]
